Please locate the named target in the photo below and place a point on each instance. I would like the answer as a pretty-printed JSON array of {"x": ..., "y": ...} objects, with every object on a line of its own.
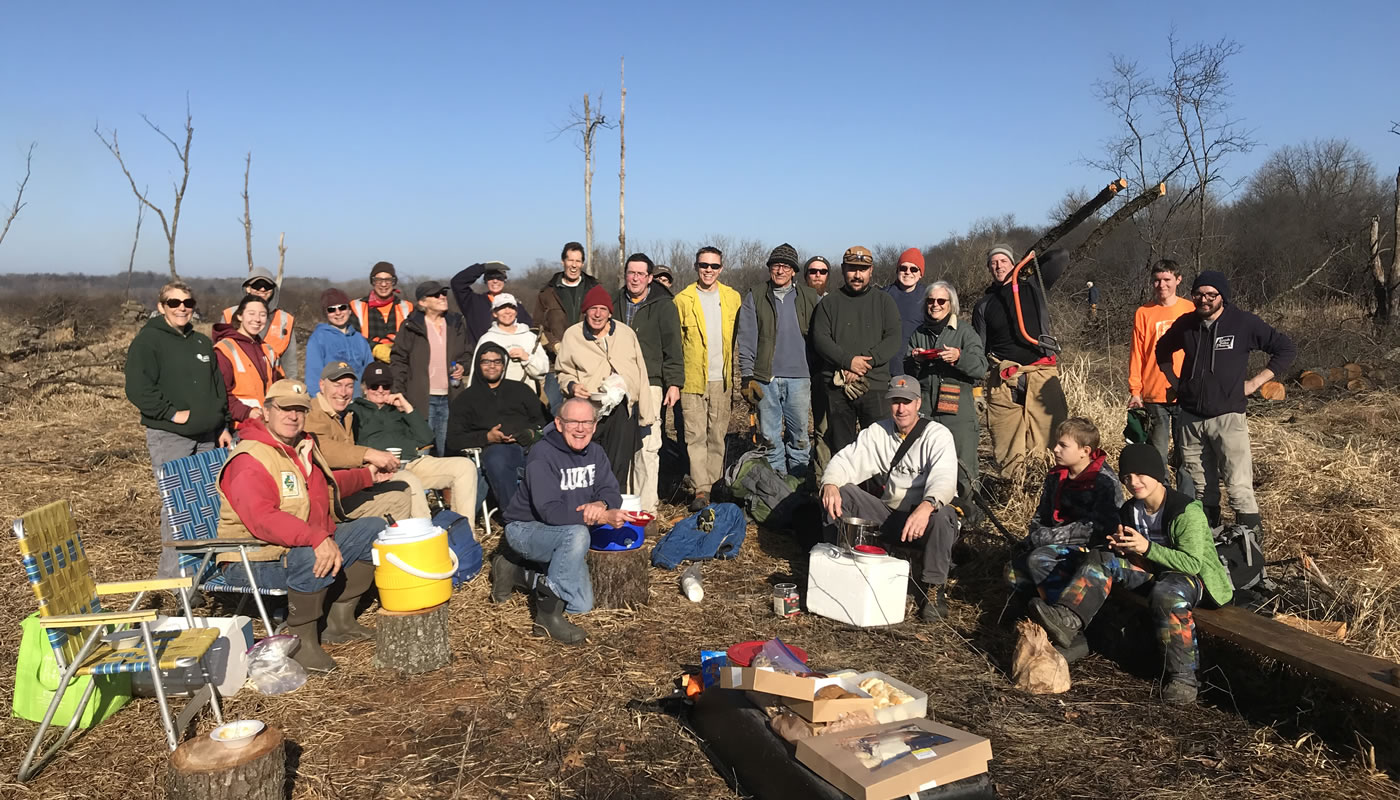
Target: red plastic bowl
[
  {"x": 741, "y": 654},
  {"x": 871, "y": 549},
  {"x": 639, "y": 517}
]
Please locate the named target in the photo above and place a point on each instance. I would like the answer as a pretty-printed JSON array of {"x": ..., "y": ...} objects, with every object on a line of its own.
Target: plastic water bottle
[
  {"x": 691, "y": 584},
  {"x": 456, "y": 382}
]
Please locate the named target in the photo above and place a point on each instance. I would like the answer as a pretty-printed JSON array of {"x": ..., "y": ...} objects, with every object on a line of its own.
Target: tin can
[{"x": 786, "y": 602}]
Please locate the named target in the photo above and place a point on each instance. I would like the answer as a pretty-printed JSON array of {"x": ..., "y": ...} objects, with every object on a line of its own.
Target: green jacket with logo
[{"x": 169, "y": 370}]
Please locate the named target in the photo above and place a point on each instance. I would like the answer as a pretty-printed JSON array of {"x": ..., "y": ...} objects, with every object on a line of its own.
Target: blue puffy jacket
[{"x": 329, "y": 343}]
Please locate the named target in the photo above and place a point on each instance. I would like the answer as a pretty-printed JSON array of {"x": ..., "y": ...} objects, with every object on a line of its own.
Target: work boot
[
  {"x": 506, "y": 577},
  {"x": 1061, "y": 623},
  {"x": 549, "y": 617},
  {"x": 700, "y": 502},
  {"x": 341, "y": 625},
  {"x": 1179, "y": 692},
  {"x": 934, "y": 602},
  {"x": 1213, "y": 516},
  {"x": 303, "y": 613},
  {"x": 1079, "y": 648},
  {"x": 1252, "y": 521}
]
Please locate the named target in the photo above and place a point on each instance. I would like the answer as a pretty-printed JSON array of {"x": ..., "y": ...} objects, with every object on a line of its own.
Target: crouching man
[
  {"x": 918, "y": 463},
  {"x": 1164, "y": 546},
  {"x": 277, "y": 487},
  {"x": 568, "y": 486}
]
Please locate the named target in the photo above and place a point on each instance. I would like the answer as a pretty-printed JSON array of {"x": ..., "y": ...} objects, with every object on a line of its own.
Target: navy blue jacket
[
  {"x": 1216, "y": 366},
  {"x": 476, "y": 306},
  {"x": 558, "y": 480}
]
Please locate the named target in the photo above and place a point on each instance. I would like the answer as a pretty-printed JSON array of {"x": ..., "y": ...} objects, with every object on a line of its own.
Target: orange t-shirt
[{"x": 1149, "y": 323}]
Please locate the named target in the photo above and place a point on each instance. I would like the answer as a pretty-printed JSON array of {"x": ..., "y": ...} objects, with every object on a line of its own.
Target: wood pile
[{"x": 1351, "y": 377}]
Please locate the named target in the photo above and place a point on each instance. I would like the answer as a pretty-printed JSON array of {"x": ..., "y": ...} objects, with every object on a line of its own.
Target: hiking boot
[
  {"x": 1179, "y": 692},
  {"x": 1079, "y": 648},
  {"x": 341, "y": 625},
  {"x": 506, "y": 577},
  {"x": 1252, "y": 521},
  {"x": 1213, "y": 516},
  {"x": 550, "y": 620},
  {"x": 303, "y": 614},
  {"x": 935, "y": 602},
  {"x": 1062, "y": 624},
  {"x": 701, "y": 500}
]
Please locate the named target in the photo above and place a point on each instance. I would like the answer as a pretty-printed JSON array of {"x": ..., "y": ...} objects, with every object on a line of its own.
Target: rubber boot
[
  {"x": 934, "y": 606},
  {"x": 1213, "y": 516},
  {"x": 1078, "y": 648},
  {"x": 1180, "y": 690},
  {"x": 303, "y": 614},
  {"x": 341, "y": 625},
  {"x": 549, "y": 617},
  {"x": 506, "y": 577}
]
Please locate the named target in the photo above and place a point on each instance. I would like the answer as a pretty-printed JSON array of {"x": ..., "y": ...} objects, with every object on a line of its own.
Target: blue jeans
[
  {"x": 563, "y": 548},
  {"x": 1166, "y": 424},
  {"x": 783, "y": 414},
  {"x": 502, "y": 463},
  {"x": 294, "y": 570},
  {"x": 552, "y": 392},
  {"x": 438, "y": 405}
]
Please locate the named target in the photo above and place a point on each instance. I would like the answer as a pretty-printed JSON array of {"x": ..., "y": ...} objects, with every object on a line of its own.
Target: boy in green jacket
[{"x": 1164, "y": 544}]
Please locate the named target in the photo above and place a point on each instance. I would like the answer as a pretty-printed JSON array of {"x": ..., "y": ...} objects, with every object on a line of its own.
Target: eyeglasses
[
  {"x": 1206, "y": 295},
  {"x": 703, "y": 265},
  {"x": 334, "y": 309},
  {"x": 262, "y": 286},
  {"x": 938, "y": 301},
  {"x": 780, "y": 266},
  {"x": 383, "y": 281},
  {"x": 817, "y": 271},
  {"x": 578, "y": 424},
  {"x": 909, "y": 269},
  {"x": 493, "y": 361},
  {"x": 176, "y": 302}
]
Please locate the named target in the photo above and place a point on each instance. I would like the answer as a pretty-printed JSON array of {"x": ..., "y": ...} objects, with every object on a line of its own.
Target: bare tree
[
  {"x": 587, "y": 125},
  {"x": 281, "y": 257},
  {"x": 135, "y": 240},
  {"x": 247, "y": 212},
  {"x": 172, "y": 224},
  {"x": 622, "y": 165},
  {"x": 19, "y": 205}
]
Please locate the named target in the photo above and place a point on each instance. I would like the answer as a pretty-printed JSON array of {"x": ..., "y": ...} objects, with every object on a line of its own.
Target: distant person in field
[
  {"x": 278, "y": 488},
  {"x": 430, "y": 356},
  {"x": 855, "y": 332},
  {"x": 775, "y": 321},
  {"x": 1025, "y": 401},
  {"x": 336, "y": 339},
  {"x": 907, "y": 289},
  {"x": 280, "y": 332},
  {"x": 1211, "y": 386},
  {"x": 945, "y": 356},
  {"x": 479, "y": 307},
  {"x": 247, "y": 362},
  {"x": 1093, "y": 301},
  {"x": 498, "y": 416},
  {"x": 172, "y": 379},
  {"x": 1162, "y": 543},
  {"x": 568, "y": 487},
  {"x": 708, "y": 311},
  {"x": 1147, "y": 384},
  {"x": 380, "y": 313},
  {"x": 816, "y": 272},
  {"x": 560, "y": 305},
  {"x": 649, "y": 310}
]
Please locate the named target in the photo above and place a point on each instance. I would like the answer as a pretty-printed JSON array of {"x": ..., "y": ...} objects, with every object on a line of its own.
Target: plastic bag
[
  {"x": 776, "y": 655},
  {"x": 271, "y": 669},
  {"x": 1036, "y": 667}
]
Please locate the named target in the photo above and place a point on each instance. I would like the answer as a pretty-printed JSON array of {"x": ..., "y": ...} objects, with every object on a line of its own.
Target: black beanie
[
  {"x": 783, "y": 254},
  {"x": 1142, "y": 459},
  {"x": 1213, "y": 278}
]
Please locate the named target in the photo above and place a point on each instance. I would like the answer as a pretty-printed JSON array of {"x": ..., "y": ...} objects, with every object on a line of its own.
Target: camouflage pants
[
  {"x": 1171, "y": 598},
  {"x": 1045, "y": 569}
]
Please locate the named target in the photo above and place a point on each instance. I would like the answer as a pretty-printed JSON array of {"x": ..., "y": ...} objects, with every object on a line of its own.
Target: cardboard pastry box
[
  {"x": 895, "y": 759},
  {"x": 783, "y": 684}
]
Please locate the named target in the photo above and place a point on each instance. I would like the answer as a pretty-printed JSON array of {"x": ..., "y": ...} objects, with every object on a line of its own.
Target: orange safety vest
[
  {"x": 248, "y": 385},
  {"x": 361, "y": 309},
  {"x": 279, "y": 329}
]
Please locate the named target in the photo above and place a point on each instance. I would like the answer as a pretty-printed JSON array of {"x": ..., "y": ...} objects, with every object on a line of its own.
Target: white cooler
[
  {"x": 227, "y": 659},
  {"x": 864, "y": 591}
]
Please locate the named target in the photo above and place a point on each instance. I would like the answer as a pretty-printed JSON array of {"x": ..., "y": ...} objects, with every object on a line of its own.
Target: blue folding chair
[{"x": 189, "y": 494}]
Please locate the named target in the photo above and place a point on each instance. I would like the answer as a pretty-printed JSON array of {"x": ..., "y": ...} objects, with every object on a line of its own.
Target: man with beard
[{"x": 499, "y": 416}]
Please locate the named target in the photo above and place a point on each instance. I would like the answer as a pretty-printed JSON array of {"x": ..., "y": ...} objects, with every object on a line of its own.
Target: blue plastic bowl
[{"x": 627, "y": 536}]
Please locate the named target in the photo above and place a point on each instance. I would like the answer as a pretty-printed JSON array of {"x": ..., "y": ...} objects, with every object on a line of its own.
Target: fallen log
[
  {"x": 1311, "y": 381},
  {"x": 1359, "y": 385},
  {"x": 1353, "y": 370},
  {"x": 1273, "y": 390}
]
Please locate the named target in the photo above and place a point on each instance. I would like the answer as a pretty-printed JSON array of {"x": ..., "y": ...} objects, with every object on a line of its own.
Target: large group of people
[{"x": 866, "y": 394}]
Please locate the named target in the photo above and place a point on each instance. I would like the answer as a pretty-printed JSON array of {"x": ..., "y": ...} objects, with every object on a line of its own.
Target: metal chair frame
[{"x": 474, "y": 453}]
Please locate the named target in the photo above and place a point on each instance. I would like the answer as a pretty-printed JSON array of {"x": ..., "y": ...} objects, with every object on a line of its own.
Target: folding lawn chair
[
  {"x": 474, "y": 453},
  {"x": 189, "y": 493},
  {"x": 78, "y": 629}
]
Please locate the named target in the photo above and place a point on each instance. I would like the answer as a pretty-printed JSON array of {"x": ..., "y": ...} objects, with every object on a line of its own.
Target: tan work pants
[
  {"x": 390, "y": 497},
  {"x": 1019, "y": 425},
  {"x": 647, "y": 465},
  {"x": 706, "y": 423},
  {"x": 1215, "y": 448},
  {"x": 457, "y": 473}
]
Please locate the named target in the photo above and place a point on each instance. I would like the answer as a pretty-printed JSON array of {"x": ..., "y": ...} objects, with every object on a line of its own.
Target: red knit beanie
[
  {"x": 597, "y": 296},
  {"x": 913, "y": 256}
]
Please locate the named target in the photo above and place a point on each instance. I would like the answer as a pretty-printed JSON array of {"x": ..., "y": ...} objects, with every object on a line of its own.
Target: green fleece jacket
[
  {"x": 386, "y": 426},
  {"x": 1192, "y": 547},
  {"x": 169, "y": 370}
]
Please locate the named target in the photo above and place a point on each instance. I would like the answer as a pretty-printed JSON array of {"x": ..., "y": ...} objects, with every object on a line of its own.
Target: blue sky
[{"x": 424, "y": 133}]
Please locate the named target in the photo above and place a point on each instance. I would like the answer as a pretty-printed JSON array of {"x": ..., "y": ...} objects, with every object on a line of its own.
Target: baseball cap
[
  {"x": 857, "y": 256},
  {"x": 288, "y": 393},
  {"x": 902, "y": 388},
  {"x": 504, "y": 299},
  {"x": 377, "y": 374},
  {"x": 427, "y": 288},
  {"x": 336, "y": 370}
]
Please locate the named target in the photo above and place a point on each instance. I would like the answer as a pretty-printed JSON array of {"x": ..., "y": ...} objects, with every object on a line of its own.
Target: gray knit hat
[
  {"x": 783, "y": 254},
  {"x": 1004, "y": 249}
]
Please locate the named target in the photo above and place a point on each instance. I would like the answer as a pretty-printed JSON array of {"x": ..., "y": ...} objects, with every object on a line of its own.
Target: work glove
[
  {"x": 381, "y": 351},
  {"x": 856, "y": 388},
  {"x": 753, "y": 391}
]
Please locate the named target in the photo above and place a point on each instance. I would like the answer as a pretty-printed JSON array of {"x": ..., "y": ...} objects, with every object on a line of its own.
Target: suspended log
[
  {"x": 203, "y": 769},
  {"x": 1115, "y": 219},
  {"x": 1273, "y": 390},
  {"x": 1082, "y": 213},
  {"x": 1311, "y": 381}
]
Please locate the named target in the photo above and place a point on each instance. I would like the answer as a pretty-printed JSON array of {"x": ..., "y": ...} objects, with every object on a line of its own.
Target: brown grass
[{"x": 517, "y": 717}]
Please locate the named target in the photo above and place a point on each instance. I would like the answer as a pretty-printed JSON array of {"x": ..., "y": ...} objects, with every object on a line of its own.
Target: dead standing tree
[
  {"x": 622, "y": 167},
  {"x": 247, "y": 212},
  {"x": 135, "y": 240},
  {"x": 19, "y": 205},
  {"x": 171, "y": 225},
  {"x": 587, "y": 125}
]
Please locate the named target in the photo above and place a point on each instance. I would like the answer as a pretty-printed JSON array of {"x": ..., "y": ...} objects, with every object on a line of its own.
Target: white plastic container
[
  {"x": 914, "y": 709},
  {"x": 865, "y": 592}
]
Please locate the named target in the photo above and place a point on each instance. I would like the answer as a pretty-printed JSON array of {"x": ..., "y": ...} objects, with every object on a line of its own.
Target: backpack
[
  {"x": 1237, "y": 547},
  {"x": 769, "y": 498},
  {"x": 463, "y": 543}
]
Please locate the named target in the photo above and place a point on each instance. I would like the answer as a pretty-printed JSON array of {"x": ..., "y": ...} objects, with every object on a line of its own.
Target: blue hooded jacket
[
  {"x": 558, "y": 480},
  {"x": 329, "y": 343}
]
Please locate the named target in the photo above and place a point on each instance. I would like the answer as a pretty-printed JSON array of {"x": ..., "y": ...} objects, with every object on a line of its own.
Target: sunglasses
[
  {"x": 175, "y": 302},
  {"x": 379, "y": 387},
  {"x": 818, "y": 271},
  {"x": 938, "y": 301},
  {"x": 909, "y": 269},
  {"x": 334, "y": 309},
  {"x": 262, "y": 286},
  {"x": 442, "y": 293},
  {"x": 703, "y": 265}
]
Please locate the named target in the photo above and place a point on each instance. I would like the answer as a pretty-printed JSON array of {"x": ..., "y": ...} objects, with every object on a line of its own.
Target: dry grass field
[{"x": 519, "y": 717}]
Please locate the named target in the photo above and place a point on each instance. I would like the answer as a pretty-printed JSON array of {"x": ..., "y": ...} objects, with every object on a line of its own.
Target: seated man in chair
[
  {"x": 332, "y": 422},
  {"x": 498, "y": 415},
  {"x": 383, "y": 419},
  {"x": 277, "y": 487},
  {"x": 918, "y": 462}
]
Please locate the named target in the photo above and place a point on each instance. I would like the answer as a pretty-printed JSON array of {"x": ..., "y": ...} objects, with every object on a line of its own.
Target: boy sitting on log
[{"x": 1163, "y": 545}]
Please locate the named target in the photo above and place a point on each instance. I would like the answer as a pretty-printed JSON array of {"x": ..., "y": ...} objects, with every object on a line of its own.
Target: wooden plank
[{"x": 1362, "y": 674}]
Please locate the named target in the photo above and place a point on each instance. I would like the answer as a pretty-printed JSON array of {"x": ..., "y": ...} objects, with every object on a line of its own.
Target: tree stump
[
  {"x": 203, "y": 769},
  {"x": 1312, "y": 381},
  {"x": 1273, "y": 390},
  {"x": 1353, "y": 371},
  {"x": 621, "y": 578},
  {"x": 412, "y": 642}
]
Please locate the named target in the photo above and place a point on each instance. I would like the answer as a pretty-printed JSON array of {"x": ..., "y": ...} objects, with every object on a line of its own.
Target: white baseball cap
[{"x": 504, "y": 299}]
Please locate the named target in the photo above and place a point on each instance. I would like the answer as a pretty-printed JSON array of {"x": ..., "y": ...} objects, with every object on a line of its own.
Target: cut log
[
  {"x": 1272, "y": 390},
  {"x": 1353, "y": 370},
  {"x": 412, "y": 642},
  {"x": 203, "y": 769},
  {"x": 1336, "y": 375},
  {"x": 1359, "y": 385},
  {"x": 1312, "y": 381},
  {"x": 1336, "y": 631},
  {"x": 621, "y": 578}
]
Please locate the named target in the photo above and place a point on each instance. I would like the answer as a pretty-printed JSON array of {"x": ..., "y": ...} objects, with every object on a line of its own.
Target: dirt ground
[{"x": 520, "y": 717}]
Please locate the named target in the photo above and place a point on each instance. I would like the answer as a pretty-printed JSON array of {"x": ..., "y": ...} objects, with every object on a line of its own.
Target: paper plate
[{"x": 741, "y": 654}]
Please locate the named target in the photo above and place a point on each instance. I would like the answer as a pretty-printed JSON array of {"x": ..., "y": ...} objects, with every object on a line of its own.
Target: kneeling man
[
  {"x": 568, "y": 486},
  {"x": 277, "y": 487},
  {"x": 918, "y": 463}
]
